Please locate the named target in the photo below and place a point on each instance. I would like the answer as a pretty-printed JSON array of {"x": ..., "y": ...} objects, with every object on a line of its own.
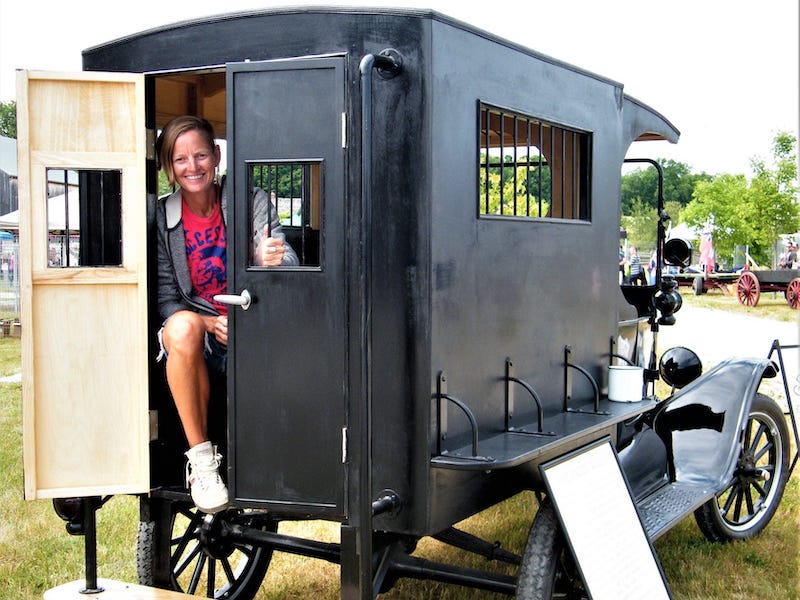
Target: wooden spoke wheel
[
  {"x": 793, "y": 293},
  {"x": 748, "y": 289},
  {"x": 747, "y": 505}
]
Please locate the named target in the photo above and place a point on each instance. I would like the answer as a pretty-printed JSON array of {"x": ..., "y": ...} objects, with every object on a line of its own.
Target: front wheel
[
  {"x": 548, "y": 569},
  {"x": 201, "y": 561},
  {"x": 746, "y": 506}
]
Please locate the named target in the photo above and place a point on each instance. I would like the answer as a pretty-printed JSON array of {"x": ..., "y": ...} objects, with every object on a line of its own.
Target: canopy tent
[
  {"x": 56, "y": 215},
  {"x": 684, "y": 232}
]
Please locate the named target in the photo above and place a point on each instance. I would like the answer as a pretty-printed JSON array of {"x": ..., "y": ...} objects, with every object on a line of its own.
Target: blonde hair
[{"x": 172, "y": 131}]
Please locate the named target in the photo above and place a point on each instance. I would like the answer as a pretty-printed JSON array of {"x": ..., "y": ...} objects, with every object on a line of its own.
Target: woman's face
[{"x": 194, "y": 162}]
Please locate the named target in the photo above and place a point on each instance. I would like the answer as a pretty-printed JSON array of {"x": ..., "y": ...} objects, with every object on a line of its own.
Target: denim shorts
[{"x": 215, "y": 353}]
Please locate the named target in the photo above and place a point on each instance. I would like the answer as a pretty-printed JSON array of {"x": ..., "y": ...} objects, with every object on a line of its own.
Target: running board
[{"x": 663, "y": 509}]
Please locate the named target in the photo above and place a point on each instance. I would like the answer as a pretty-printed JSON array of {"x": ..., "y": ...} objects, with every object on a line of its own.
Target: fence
[{"x": 9, "y": 280}]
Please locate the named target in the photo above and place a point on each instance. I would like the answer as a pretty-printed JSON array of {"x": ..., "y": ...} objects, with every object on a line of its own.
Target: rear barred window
[{"x": 530, "y": 168}]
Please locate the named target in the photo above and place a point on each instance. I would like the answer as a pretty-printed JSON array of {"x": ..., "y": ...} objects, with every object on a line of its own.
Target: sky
[{"x": 724, "y": 72}]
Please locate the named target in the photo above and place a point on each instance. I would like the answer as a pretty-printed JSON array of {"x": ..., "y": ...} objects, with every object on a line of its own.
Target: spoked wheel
[
  {"x": 746, "y": 506},
  {"x": 201, "y": 560},
  {"x": 748, "y": 289},
  {"x": 548, "y": 569},
  {"x": 793, "y": 293}
]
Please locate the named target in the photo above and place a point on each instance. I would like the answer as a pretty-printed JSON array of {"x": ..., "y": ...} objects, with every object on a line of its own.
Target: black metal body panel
[
  {"x": 448, "y": 291},
  {"x": 701, "y": 424}
]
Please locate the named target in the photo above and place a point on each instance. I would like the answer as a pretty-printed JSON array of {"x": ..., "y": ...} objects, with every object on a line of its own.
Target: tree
[
  {"x": 530, "y": 197},
  {"x": 8, "y": 119},
  {"x": 641, "y": 225},
  {"x": 773, "y": 199},
  {"x": 642, "y": 183},
  {"x": 721, "y": 201},
  {"x": 751, "y": 214}
]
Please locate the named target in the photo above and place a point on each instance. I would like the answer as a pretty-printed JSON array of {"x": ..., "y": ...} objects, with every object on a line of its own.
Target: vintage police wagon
[{"x": 454, "y": 200}]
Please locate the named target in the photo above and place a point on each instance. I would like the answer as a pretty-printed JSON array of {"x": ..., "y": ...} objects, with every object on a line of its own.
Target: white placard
[{"x": 603, "y": 529}]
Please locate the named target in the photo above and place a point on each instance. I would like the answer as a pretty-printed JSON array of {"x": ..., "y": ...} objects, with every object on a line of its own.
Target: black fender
[{"x": 701, "y": 424}]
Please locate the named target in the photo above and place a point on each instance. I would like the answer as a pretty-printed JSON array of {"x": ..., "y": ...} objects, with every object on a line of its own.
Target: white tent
[
  {"x": 684, "y": 232},
  {"x": 56, "y": 215}
]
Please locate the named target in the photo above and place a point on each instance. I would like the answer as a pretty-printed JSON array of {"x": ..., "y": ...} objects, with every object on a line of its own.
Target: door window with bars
[{"x": 295, "y": 191}]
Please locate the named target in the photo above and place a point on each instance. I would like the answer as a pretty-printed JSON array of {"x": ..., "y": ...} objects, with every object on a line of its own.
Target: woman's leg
[
  {"x": 183, "y": 337},
  {"x": 187, "y": 375}
]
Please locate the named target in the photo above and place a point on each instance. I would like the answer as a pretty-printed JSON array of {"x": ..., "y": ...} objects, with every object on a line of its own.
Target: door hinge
[
  {"x": 150, "y": 140},
  {"x": 153, "y": 421},
  {"x": 344, "y": 130},
  {"x": 344, "y": 445}
]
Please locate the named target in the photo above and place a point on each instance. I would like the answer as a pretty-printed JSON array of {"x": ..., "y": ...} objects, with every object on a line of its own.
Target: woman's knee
[{"x": 184, "y": 330}]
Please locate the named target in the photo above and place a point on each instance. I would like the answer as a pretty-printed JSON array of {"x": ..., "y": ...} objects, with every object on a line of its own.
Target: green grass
[
  {"x": 771, "y": 305},
  {"x": 36, "y": 553}
]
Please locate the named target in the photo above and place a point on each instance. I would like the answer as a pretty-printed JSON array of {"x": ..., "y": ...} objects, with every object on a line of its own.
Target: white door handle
[{"x": 244, "y": 299}]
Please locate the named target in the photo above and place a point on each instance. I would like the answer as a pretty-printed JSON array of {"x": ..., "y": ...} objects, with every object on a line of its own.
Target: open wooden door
[{"x": 83, "y": 283}]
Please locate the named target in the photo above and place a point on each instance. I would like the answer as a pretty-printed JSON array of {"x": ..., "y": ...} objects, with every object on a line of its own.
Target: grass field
[{"x": 36, "y": 553}]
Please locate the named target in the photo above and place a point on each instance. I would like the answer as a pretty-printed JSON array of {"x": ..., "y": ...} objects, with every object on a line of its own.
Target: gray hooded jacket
[{"x": 174, "y": 280}]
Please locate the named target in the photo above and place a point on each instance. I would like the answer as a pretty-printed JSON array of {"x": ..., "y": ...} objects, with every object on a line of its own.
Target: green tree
[
  {"x": 641, "y": 225},
  {"x": 642, "y": 184},
  {"x": 721, "y": 200},
  {"x": 524, "y": 199},
  {"x": 8, "y": 119},
  {"x": 755, "y": 213}
]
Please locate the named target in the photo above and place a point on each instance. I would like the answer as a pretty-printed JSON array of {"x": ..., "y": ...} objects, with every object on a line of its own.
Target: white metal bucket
[{"x": 625, "y": 383}]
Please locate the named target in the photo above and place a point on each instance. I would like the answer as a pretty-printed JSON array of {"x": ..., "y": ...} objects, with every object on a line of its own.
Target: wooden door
[{"x": 83, "y": 283}]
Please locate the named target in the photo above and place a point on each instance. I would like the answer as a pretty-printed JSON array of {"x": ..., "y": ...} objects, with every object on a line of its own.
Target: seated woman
[{"x": 192, "y": 269}]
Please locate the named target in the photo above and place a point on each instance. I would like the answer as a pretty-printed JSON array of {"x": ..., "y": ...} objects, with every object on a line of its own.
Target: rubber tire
[
  {"x": 716, "y": 527},
  {"x": 548, "y": 569},
  {"x": 698, "y": 286},
  {"x": 248, "y": 574}
]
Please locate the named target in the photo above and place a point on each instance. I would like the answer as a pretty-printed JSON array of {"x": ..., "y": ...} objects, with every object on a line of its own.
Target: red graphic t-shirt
[{"x": 206, "y": 254}]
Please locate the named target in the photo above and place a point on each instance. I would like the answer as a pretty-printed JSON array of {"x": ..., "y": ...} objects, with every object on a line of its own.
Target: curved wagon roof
[{"x": 214, "y": 40}]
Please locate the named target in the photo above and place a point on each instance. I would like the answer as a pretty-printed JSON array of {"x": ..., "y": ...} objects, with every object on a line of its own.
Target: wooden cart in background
[{"x": 750, "y": 285}]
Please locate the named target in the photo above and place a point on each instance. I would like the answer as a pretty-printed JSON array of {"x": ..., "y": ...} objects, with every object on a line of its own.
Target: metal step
[{"x": 670, "y": 504}]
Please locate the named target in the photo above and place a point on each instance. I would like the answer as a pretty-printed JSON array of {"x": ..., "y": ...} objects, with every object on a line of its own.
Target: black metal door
[{"x": 287, "y": 374}]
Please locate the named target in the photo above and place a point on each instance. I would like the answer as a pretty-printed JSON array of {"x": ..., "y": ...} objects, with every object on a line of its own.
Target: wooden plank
[{"x": 116, "y": 590}]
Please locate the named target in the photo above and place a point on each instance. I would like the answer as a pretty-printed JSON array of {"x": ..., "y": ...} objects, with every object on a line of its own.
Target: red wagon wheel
[
  {"x": 793, "y": 293},
  {"x": 748, "y": 289}
]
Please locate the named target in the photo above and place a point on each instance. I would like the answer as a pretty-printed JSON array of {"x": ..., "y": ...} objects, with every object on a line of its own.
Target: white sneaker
[{"x": 202, "y": 475}]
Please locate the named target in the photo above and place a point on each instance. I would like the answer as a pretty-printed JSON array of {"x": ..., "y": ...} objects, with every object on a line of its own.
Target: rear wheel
[
  {"x": 746, "y": 506},
  {"x": 793, "y": 293},
  {"x": 201, "y": 560},
  {"x": 548, "y": 569}
]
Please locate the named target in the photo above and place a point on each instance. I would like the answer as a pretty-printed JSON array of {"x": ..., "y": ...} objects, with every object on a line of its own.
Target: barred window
[
  {"x": 530, "y": 168},
  {"x": 295, "y": 190}
]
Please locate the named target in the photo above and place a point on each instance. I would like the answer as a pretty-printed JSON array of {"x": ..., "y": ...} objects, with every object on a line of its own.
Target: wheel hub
[{"x": 212, "y": 537}]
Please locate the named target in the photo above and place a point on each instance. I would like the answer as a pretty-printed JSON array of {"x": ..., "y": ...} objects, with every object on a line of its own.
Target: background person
[{"x": 636, "y": 276}]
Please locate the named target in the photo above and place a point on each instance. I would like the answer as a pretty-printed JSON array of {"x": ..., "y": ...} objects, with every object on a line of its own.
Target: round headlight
[{"x": 679, "y": 366}]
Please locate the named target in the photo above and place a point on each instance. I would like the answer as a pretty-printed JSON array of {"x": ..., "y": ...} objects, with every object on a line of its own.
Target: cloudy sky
[{"x": 725, "y": 72}]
